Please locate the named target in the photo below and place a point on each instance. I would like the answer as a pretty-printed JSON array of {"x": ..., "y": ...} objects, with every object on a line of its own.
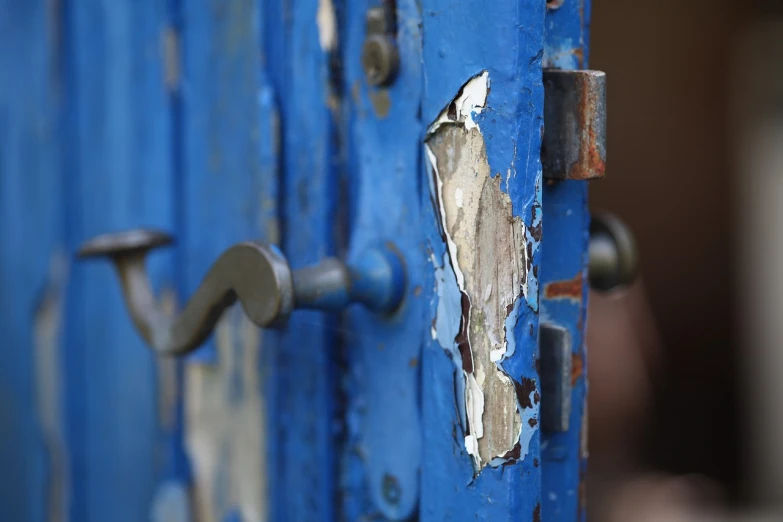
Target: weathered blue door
[{"x": 326, "y": 127}]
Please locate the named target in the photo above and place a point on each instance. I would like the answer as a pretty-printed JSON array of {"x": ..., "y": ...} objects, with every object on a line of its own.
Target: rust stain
[
  {"x": 591, "y": 163},
  {"x": 537, "y": 513},
  {"x": 565, "y": 289},
  {"x": 577, "y": 367}
]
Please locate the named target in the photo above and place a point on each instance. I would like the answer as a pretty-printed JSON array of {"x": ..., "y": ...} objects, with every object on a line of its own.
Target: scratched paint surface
[{"x": 564, "y": 284}]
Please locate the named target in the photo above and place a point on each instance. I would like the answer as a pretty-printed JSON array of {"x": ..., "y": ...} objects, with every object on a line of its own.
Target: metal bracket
[
  {"x": 554, "y": 368},
  {"x": 574, "y": 145}
]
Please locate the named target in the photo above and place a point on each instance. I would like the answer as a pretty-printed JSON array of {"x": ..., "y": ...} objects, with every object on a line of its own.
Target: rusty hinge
[{"x": 574, "y": 145}]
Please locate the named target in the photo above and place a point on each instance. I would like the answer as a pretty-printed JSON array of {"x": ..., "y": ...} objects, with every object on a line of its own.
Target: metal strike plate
[
  {"x": 554, "y": 367},
  {"x": 574, "y": 145}
]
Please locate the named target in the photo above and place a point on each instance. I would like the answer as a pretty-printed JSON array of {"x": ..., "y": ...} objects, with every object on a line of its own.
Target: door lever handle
[
  {"x": 253, "y": 273},
  {"x": 613, "y": 258}
]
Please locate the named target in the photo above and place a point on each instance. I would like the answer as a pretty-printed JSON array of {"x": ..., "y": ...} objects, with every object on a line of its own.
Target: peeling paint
[
  {"x": 225, "y": 425},
  {"x": 488, "y": 253},
  {"x": 468, "y": 103},
  {"x": 327, "y": 25},
  {"x": 48, "y": 387}
]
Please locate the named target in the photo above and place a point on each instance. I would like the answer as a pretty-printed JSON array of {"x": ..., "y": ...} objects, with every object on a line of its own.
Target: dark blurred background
[{"x": 689, "y": 84}]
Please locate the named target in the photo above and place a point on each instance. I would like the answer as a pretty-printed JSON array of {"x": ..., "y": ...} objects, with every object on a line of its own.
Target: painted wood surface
[
  {"x": 508, "y": 46},
  {"x": 229, "y": 120},
  {"x": 564, "y": 284},
  {"x": 118, "y": 175},
  {"x": 33, "y": 264},
  {"x": 228, "y": 183}
]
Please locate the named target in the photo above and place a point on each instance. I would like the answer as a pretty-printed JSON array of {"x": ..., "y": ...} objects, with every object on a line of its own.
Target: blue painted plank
[
  {"x": 119, "y": 176},
  {"x": 564, "y": 284},
  {"x": 461, "y": 40},
  {"x": 380, "y": 462},
  {"x": 304, "y": 467},
  {"x": 32, "y": 263},
  {"x": 230, "y": 177}
]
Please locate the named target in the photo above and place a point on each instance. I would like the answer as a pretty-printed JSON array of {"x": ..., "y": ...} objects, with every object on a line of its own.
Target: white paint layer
[{"x": 471, "y": 100}]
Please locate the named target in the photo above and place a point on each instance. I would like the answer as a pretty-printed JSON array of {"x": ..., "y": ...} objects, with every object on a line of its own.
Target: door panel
[{"x": 226, "y": 121}]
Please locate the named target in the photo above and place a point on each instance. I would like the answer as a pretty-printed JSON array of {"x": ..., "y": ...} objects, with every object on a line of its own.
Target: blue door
[{"x": 330, "y": 129}]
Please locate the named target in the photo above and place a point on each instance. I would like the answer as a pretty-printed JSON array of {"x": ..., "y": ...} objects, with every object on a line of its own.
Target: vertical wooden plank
[
  {"x": 33, "y": 267},
  {"x": 564, "y": 284},
  {"x": 119, "y": 176},
  {"x": 380, "y": 461},
  {"x": 230, "y": 143},
  {"x": 299, "y": 36},
  {"x": 483, "y": 103}
]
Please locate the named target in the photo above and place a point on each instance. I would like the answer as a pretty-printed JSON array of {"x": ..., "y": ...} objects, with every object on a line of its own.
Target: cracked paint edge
[{"x": 469, "y": 102}]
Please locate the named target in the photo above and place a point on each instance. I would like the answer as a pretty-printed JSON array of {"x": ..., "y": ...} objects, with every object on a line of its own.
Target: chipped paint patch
[
  {"x": 225, "y": 425},
  {"x": 327, "y": 25},
  {"x": 48, "y": 388},
  {"x": 171, "y": 52},
  {"x": 487, "y": 252},
  {"x": 381, "y": 102}
]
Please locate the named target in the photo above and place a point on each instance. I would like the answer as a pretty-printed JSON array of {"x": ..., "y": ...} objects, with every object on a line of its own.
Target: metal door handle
[
  {"x": 612, "y": 253},
  {"x": 256, "y": 274}
]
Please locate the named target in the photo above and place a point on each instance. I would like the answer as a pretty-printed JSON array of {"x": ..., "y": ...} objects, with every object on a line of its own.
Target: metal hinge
[{"x": 574, "y": 145}]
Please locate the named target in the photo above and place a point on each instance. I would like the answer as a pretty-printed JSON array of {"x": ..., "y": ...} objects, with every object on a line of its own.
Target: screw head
[{"x": 380, "y": 60}]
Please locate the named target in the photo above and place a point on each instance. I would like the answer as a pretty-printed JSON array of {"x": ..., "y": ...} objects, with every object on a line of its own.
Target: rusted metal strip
[{"x": 574, "y": 145}]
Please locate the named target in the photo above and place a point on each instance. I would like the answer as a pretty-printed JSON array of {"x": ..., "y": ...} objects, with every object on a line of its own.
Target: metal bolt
[{"x": 380, "y": 59}]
